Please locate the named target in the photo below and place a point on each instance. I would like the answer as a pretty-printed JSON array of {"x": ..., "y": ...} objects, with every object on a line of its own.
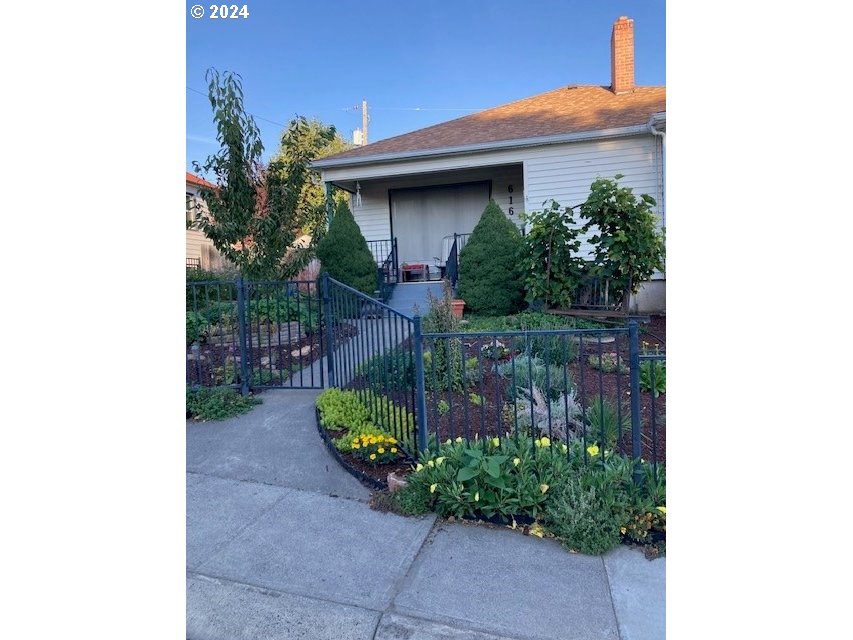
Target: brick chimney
[{"x": 622, "y": 56}]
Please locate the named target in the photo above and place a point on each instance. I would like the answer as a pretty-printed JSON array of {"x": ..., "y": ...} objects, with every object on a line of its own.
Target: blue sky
[{"x": 447, "y": 57}]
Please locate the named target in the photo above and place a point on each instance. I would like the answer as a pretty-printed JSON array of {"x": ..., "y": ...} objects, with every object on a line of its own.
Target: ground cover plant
[
  {"x": 366, "y": 445},
  {"x": 217, "y": 403},
  {"x": 584, "y": 497}
]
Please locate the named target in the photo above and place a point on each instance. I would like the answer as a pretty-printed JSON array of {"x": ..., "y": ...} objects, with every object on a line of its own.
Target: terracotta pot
[{"x": 458, "y": 307}]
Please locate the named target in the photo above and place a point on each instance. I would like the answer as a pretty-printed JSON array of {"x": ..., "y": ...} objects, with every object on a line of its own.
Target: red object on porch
[{"x": 415, "y": 271}]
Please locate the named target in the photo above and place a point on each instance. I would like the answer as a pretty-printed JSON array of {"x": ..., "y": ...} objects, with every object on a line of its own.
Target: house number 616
[{"x": 511, "y": 210}]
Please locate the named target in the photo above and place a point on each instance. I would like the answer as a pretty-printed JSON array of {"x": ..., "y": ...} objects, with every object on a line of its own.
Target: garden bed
[
  {"x": 273, "y": 364},
  {"x": 485, "y": 409}
]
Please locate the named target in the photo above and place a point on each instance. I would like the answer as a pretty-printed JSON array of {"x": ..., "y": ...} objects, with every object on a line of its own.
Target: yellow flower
[
  {"x": 439, "y": 460},
  {"x": 496, "y": 442},
  {"x": 430, "y": 464},
  {"x": 447, "y": 441},
  {"x": 592, "y": 450},
  {"x": 419, "y": 467},
  {"x": 459, "y": 439},
  {"x": 355, "y": 445},
  {"x": 432, "y": 487},
  {"x": 622, "y": 530},
  {"x": 477, "y": 497},
  {"x": 373, "y": 456},
  {"x": 546, "y": 441},
  {"x": 537, "y": 530},
  {"x": 543, "y": 488},
  {"x": 381, "y": 450},
  {"x": 392, "y": 440},
  {"x": 393, "y": 449},
  {"x": 516, "y": 461},
  {"x": 565, "y": 448},
  {"x": 662, "y": 510},
  {"x": 537, "y": 442}
]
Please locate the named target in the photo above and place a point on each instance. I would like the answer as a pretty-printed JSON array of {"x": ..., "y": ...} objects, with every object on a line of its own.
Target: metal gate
[{"x": 255, "y": 334}]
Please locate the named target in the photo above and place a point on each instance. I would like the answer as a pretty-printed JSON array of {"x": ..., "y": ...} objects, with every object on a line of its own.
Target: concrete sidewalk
[{"x": 282, "y": 544}]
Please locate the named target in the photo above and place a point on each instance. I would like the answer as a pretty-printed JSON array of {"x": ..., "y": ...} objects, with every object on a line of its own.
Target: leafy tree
[
  {"x": 310, "y": 139},
  {"x": 552, "y": 269},
  {"x": 489, "y": 277},
  {"x": 344, "y": 254},
  {"x": 627, "y": 246},
  {"x": 254, "y": 215}
]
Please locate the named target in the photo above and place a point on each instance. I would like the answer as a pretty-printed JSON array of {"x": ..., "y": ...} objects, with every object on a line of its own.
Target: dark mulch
[{"x": 462, "y": 415}]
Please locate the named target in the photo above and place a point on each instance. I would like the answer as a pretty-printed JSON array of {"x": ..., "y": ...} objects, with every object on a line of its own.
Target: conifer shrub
[
  {"x": 344, "y": 253},
  {"x": 489, "y": 278}
]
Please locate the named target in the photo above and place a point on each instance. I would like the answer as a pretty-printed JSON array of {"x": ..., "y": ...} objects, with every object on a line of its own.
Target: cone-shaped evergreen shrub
[
  {"x": 489, "y": 279},
  {"x": 344, "y": 253}
]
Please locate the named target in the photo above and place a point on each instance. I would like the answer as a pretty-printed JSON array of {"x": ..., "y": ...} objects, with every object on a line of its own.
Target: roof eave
[{"x": 595, "y": 134}]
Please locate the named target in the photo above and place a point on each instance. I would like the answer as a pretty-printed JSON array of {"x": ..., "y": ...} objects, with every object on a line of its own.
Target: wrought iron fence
[
  {"x": 385, "y": 254},
  {"x": 582, "y": 388},
  {"x": 254, "y": 335},
  {"x": 375, "y": 357}
]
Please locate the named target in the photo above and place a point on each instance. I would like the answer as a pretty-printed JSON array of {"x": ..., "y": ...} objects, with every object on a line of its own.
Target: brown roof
[
  {"x": 194, "y": 179},
  {"x": 565, "y": 110}
]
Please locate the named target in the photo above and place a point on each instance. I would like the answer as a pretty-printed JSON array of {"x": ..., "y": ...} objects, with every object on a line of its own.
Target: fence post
[
  {"x": 634, "y": 363},
  {"x": 420, "y": 407},
  {"x": 241, "y": 324},
  {"x": 330, "y": 321}
]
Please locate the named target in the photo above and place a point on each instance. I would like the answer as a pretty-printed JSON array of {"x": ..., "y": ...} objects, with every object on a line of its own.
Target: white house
[
  {"x": 201, "y": 254},
  {"x": 423, "y": 187}
]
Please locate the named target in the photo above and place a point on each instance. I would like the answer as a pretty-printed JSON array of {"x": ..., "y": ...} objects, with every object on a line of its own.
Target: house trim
[{"x": 598, "y": 134}]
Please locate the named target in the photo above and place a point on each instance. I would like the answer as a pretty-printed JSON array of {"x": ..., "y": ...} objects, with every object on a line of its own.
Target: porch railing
[
  {"x": 386, "y": 270},
  {"x": 451, "y": 272}
]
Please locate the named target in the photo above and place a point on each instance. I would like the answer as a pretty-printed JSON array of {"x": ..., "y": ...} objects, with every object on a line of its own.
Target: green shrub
[
  {"x": 196, "y": 328},
  {"x": 489, "y": 278},
  {"x": 342, "y": 410},
  {"x": 653, "y": 376},
  {"x": 587, "y": 518},
  {"x": 344, "y": 253},
  {"x": 608, "y": 362},
  {"x": 602, "y": 417},
  {"x": 217, "y": 403},
  {"x": 414, "y": 499},
  {"x": 201, "y": 297},
  {"x": 525, "y": 372},
  {"x": 393, "y": 369}
]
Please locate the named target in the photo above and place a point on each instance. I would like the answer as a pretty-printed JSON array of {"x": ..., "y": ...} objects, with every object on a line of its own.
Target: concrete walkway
[
  {"x": 411, "y": 298},
  {"x": 281, "y": 544}
]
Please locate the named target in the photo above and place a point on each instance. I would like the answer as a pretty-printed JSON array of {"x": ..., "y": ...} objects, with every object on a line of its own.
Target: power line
[{"x": 251, "y": 114}]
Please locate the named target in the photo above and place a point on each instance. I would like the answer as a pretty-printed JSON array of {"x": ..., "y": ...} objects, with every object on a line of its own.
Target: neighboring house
[
  {"x": 423, "y": 187},
  {"x": 201, "y": 254}
]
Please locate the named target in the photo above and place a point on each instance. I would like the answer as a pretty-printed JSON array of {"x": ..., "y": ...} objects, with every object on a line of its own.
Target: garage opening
[{"x": 422, "y": 219}]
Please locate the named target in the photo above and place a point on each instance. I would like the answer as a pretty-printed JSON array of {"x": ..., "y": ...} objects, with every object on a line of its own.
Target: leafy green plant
[
  {"x": 653, "y": 376},
  {"x": 554, "y": 270},
  {"x": 524, "y": 372},
  {"x": 342, "y": 410},
  {"x": 345, "y": 442},
  {"x": 391, "y": 417},
  {"x": 217, "y": 403},
  {"x": 608, "y": 362},
  {"x": 556, "y": 417},
  {"x": 443, "y": 407},
  {"x": 489, "y": 275},
  {"x": 627, "y": 246},
  {"x": 414, "y": 499},
  {"x": 602, "y": 417},
  {"x": 476, "y": 399},
  {"x": 228, "y": 373},
  {"x": 393, "y": 369},
  {"x": 586, "y": 517},
  {"x": 196, "y": 328},
  {"x": 344, "y": 254}
]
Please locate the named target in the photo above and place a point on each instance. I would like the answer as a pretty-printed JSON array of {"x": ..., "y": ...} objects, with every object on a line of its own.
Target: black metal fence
[
  {"x": 593, "y": 389},
  {"x": 376, "y": 357},
  {"x": 387, "y": 272},
  {"x": 254, "y": 335}
]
